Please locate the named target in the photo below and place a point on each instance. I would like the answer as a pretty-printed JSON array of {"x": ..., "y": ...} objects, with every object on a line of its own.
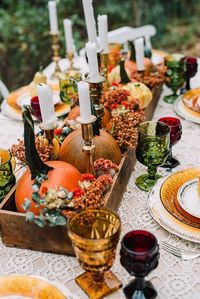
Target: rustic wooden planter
[{"x": 16, "y": 232}]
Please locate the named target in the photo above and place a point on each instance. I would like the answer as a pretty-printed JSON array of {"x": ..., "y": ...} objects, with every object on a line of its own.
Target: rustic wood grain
[{"x": 17, "y": 232}]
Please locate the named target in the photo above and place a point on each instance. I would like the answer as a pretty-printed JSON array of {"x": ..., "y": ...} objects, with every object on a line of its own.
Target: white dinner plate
[
  {"x": 188, "y": 197},
  {"x": 166, "y": 220},
  {"x": 25, "y": 99},
  {"x": 184, "y": 112}
]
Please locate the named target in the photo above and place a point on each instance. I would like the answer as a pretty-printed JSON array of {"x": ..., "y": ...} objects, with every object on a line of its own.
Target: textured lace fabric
[{"x": 173, "y": 278}]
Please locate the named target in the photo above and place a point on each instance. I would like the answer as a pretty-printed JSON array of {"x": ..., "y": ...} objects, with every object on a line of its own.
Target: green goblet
[
  {"x": 152, "y": 151},
  {"x": 175, "y": 74}
]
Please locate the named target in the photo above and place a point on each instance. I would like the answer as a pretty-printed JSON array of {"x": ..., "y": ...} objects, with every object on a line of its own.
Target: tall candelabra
[
  {"x": 56, "y": 53},
  {"x": 88, "y": 147}
]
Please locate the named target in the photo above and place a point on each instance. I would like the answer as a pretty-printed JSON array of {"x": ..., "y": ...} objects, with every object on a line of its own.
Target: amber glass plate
[
  {"x": 190, "y": 99},
  {"x": 28, "y": 287},
  {"x": 168, "y": 195}
]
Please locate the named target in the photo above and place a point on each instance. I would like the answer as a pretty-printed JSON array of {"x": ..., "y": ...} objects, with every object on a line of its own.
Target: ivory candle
[
  {"x": 91, "y": 50},
  {"x": 139, "y": 52},
  {"x": 84, "y": 101},
  {"x": 46, "y": 105},
  {"x": 68, "y": 36},
  {"x": 90, "y": 20},
  {"x": 53, "y": 17},
  {"x": 103, "y": 32}
]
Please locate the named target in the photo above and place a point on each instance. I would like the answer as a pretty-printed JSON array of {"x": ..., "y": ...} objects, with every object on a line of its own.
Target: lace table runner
[{"x": 173, "y": 278}]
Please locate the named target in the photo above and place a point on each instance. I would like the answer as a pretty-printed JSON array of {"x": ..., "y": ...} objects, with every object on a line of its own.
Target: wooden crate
[{"x": 16, "y": 232}]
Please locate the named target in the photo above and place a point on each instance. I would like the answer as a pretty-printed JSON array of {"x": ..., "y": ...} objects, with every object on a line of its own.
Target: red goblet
[
  {"x": 139, "y": 256},
  {"x": 191, "y": 70},
  {"x": 35, "y": 108},
  {"x": 175, "y": 135}
]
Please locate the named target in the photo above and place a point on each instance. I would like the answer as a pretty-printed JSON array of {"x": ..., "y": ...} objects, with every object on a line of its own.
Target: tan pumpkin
[
  {"x": 105, "y": 147},
  {"x": 139, "y": 91}
]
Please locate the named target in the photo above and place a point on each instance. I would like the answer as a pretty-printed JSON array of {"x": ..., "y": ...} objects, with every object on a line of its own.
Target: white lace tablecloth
[{"x": 173, "y": 278}]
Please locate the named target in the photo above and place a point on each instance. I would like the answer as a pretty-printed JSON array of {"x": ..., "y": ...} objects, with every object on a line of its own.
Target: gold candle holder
[
  {"x": 70, "y": 57},
  {"x": 141, "y": 73},
  {"x": 104, "y": 68},
  {"x": 49, "y": 131},
  {"x": 88, "y": 147},
  {"x": 56, "y": 53},
  {"x": 95, "y": 96}
]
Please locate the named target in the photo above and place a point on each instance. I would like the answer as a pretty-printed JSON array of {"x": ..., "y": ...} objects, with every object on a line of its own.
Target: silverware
[{"x": 182, "y": 253}]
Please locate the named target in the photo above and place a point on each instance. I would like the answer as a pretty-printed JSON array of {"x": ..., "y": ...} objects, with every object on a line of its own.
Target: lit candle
[
  {"x": 91, "y": 50},
  {"x": 103, "y": 32},
  {"x": 84, "y": 101},
  {"x": 46, "y": 105},
  {"x": 68, "y": 36},
  {"x": 139, "y": 53},
  {"x": 53, "y": 17},
  {"x": 90, "y": 20}
]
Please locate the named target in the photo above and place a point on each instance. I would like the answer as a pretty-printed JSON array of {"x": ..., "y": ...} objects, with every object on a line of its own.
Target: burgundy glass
[
  {"x": 175, "y": 135},
  {"x": 191, "y": 70},
  {"x": 139, "y": 256},
  {"x": 35, "y": 108}
]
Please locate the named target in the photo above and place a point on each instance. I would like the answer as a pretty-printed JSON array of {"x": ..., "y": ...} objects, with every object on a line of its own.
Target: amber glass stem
[{"x": 98, "y": 277}]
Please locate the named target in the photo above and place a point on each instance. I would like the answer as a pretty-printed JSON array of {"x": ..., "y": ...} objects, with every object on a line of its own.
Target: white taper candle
[
  {"x": 84, "y": 101},
  {"x": 53, "y": 17},
  {"x": 68, "y": 36},
  {"x": 90, "y": 20},
  {"x": 91, "y": 51},
  {"x": 46, "y": 105},
  {"x": 103, "y": 32},
  {"x": 139, "y": 52}
]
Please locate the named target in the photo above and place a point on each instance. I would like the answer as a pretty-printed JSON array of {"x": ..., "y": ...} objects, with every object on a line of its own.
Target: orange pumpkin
[
  {"x": 63, "y": 175},
  {"x": 59, "y": 174},
  {"x": 105, "y": 147},
  {"x": 75, "y": 112}
]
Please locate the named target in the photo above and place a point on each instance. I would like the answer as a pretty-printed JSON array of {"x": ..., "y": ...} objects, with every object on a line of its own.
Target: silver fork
[{"x": 182, "y": 253}]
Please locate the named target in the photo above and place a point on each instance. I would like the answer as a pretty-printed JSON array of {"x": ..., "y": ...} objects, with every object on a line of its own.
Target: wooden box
[{"x": 16, "y": 232}]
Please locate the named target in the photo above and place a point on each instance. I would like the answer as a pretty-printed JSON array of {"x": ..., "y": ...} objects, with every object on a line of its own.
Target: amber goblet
[
  {"x": 139, "y": 256},
  {"x": 94, "y": 234}
]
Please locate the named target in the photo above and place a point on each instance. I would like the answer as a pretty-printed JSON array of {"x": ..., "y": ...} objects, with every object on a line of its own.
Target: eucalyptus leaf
[
  {"x": 59, "y": 220},
  {"x": 26, "y": 204},
  {"x": 30, "y": 216},
  {"x": 36, "y": 197},
  {"x": 35, "y": 187},
  {"x": 39, "y": 222}
]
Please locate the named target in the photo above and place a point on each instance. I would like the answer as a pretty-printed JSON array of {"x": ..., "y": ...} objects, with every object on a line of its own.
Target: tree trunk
[{"x": 136, "y": 13}]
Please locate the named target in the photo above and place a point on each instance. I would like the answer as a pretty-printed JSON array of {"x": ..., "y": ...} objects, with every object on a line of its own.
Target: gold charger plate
[
  {"x": 168, "y": 195},
  {"x": 190, "y": 101},
  {"x": 30, "y": 287},
  {"x": 15, "y": 110}
]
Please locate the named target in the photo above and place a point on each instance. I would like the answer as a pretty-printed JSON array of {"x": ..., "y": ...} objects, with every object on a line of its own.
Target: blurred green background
[{"x": 24, "y": 26}]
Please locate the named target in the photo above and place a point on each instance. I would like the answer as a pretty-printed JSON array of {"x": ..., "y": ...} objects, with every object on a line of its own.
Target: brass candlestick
[
  {"x": 141, "y": 73},
  {"x": 49, "y": 130},
  {"x": 70, "y": 57},
  {"x": 88, "y": 147},
  {"x": 95, "y": 96},
  {"x": 104, "y": 68},
  {"x": 56, "y": 53}
]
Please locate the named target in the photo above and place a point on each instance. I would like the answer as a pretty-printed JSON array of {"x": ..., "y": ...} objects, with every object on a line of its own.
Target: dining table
[{"x": 174, "y": 278}]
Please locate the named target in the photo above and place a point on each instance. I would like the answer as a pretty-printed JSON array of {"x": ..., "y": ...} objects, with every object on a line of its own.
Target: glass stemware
[
  {"x": 152, "y": 151},
  {"x": 175, "y": 75},
  {"x": 191, "y": 70},
  {"x": 7, "y": 178},
  {"x": 139, "y": 256},
  {"x": 35, "y": 108},
  {"x": 94, "y": 234},
  {"x": 175, "y": 135}
]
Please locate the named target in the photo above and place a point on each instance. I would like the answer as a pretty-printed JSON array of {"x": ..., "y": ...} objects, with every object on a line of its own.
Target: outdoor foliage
[{"x": 24, "y": 25}]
